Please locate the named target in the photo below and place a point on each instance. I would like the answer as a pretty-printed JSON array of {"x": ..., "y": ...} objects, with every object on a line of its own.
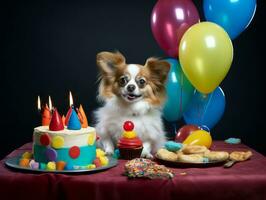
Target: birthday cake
[{"x": 74, "y": 144}]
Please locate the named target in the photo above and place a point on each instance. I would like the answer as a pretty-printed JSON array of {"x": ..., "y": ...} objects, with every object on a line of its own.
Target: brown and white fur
[{"x": 131, "y": 92}]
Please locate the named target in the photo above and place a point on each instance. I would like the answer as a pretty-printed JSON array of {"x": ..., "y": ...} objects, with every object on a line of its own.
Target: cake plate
[{"x": 13, "y": 163}]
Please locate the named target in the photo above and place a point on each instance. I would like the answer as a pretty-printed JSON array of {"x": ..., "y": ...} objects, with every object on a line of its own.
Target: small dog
[{"x": 131, "y": 92}]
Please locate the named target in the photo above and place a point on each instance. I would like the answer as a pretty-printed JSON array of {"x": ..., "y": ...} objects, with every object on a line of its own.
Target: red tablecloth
[{"x": 246, "y": 180}]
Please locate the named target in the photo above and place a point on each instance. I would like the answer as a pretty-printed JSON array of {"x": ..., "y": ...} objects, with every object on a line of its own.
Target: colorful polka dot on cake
[
  {"x": 91, "y": 139},
  {"x": 99, "y": 153},
  {"x": 74, "y": 152},
  {"x": 27, "y": 155},
  {"x": 45, "y": 139},
  {"x": 58, "y": 142},
  {"x": 51, "y": 166},
  {"x": 51, "y": 154},
  {"x": 60, "y": 165},
  {"x": 24, "y": 162}
]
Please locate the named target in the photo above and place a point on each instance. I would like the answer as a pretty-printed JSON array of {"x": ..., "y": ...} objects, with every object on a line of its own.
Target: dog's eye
[
  {"x": 123, "y": 80},
  {"x": 141, "y": 82}
]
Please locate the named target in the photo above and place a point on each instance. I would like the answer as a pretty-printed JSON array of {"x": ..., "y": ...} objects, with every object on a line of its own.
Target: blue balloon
[
  {"x": 206, "y": 110},
  {"x": 233, "y": 15},
  {"x": 179, "y": 92}
]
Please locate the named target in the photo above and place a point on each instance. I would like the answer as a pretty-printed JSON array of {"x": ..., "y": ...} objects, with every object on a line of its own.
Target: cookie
[
  {"x": 194, "y": 149},
  {"x": 216, "y": 155},
  {"x": 166, "y": 155},
  {"x": 192, "y": 158},
  {"x": 240, "y": 155}
]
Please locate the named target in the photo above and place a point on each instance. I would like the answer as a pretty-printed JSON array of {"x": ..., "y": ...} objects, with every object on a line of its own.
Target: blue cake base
[{"x": 87, "y": 155}]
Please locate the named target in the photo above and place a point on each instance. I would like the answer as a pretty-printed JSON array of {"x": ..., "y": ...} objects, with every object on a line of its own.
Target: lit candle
[
  {"x": 71, "y": 105},
  {"x": 50, "y": 104},
  {"x": 39, "y": 104}
]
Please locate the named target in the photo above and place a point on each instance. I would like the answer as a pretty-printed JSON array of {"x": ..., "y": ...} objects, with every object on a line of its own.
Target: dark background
[{"x": 49, "y": 48}]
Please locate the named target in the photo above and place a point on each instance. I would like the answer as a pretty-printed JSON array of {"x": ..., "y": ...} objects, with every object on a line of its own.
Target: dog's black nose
[{"x": 131, "y": 88}]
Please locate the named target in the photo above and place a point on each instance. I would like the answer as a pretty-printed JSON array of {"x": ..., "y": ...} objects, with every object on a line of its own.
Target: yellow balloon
[
  {"x": 205, "y": 54},
  {"x": 199, "y": 137}
]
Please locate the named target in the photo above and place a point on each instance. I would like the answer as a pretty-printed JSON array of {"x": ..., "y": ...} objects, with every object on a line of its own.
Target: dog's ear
[
  {"x": 108, "y": 61},
  {"x": 158, "y": 69}
]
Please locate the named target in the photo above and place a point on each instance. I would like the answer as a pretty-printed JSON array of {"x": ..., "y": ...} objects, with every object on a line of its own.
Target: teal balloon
[
  {"x": 74, "y": 123},
  {"x": 179, "y": 92},
  {"x": 233, "y": 15}
]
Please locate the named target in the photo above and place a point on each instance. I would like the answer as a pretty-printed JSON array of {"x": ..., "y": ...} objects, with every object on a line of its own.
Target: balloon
[
  {"x": 184, "y": 132},
  {"x": 169, "y": 21},
  {"x": 233, "y": 15},
  {"x": 206, "y": 54},
  {"x": 206, "y": 110},
  {"x": 199, "y": 137},
  {"x": 179, "y": 92}
]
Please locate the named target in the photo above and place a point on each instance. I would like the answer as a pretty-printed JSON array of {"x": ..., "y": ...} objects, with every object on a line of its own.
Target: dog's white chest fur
[{"x": 147, "y": 121}]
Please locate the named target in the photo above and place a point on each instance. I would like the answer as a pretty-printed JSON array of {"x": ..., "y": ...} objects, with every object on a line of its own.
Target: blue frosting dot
[{"x": 173, "y": 146}]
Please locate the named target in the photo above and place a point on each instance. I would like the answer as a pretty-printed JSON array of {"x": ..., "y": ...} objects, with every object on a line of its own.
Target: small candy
[
  {"x": 97, "y": 162},
  {"x": 91, "y": 166},
  {"x": 42, "y": 166},
  {"x": 173, "y": 146},
  {"x": 69, "y": 167},
  {"x": 51, "y": 166},
  {"x": 99, "y": 153},
  {"x": 27, "y": 155},
  {"x": 60, "y": 165},
  {"x": 33, "y": 164},
  {"x": 128, "y": 126},
  {"x": 116, "y": 154},
  {"x": 233, "y": 140},
  {"x": 129, "y": 134},
  {"x": 76, "y": 167},
  {"x": 104, "y": 160},
  {"x": 58, "y": 142},
  {"x": 24, "y": 162}
]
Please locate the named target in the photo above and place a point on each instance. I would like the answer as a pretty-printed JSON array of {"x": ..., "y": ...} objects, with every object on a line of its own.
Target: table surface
[{"x": 246, "y": 180}]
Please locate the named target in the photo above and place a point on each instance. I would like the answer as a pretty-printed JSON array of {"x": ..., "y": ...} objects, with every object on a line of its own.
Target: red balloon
[
  {"x": 184, "y": 132},
  {"x": 169, "y": 21}
]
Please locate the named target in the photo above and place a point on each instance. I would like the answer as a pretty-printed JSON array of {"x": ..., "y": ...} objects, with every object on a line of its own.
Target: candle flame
[
  {"x": 39, "y": 103},
  {"x": 70, "y": 99},
  {"x": 50, "y": 103}
]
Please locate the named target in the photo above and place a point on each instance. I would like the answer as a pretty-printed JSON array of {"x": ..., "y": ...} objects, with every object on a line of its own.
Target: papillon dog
[{"x": 131, "y": 92}]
